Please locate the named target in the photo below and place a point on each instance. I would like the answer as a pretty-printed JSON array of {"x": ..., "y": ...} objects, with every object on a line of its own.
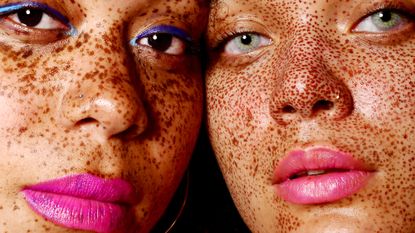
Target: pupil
[
  {"x": 30, "y": 17},
  {"x": 160, "y": 41},
  {"x": 385, "y": 16},
  {"x": 246, "y": 39}
]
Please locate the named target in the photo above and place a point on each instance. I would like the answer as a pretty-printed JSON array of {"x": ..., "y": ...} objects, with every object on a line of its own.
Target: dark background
[{"x": 209, "y": 207}]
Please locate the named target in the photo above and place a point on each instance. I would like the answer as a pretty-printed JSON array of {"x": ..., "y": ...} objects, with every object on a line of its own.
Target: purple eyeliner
[
  {"x": 162, "y": 29},
  {"x": 10, "y": 8}
]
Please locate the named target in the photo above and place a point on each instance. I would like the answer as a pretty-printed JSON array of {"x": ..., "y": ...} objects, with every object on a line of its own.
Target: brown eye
[
  {"x": 35, "y": 18},
  {"x": 160, "y": 41},
  {"x": 33, "y": 23},
  {"x": 164, "y": 42},
  {"x": 166, "y": 39},
  {"x": 30, "y": 17}
]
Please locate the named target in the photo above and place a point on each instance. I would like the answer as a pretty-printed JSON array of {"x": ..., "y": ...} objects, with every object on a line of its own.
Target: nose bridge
[
  {"x": 306, "y": 86},
  {"x": 102, "y": 96},
  {"x": 305, "y": 46}
]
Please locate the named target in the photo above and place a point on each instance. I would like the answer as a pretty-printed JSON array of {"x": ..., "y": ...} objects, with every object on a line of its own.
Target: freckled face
[
  {"x": 108, "y": 88},
  {"x": 290, "y": 75}
]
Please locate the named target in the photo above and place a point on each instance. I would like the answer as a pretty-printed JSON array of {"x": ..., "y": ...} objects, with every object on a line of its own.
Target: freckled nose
[
  {"x": 107, "y": 109},
  {"x": 306, "y": 88},
  {"x": 102, "y": 99}
]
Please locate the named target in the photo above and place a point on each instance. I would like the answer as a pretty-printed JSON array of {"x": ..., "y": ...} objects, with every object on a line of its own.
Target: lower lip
[
  {"x": 77, "y": 213},
  {"x": 324, "y": 188}
]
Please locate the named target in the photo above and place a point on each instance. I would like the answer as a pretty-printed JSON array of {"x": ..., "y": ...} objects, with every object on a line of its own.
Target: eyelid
[
  {"x": 367, "y": 8},
  {"x": 162, "y": 29},
  {"x": 13, "y": 7},
  {"x": 10, "y": 8},
  {"x": 217, "y": 37},
  {"x": 402, "y": 12}
]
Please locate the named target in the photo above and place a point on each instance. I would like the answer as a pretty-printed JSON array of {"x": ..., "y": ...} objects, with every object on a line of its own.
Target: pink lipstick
[
  {"x": 83, "y": 202},
  {"x": 319, "y": 175}
]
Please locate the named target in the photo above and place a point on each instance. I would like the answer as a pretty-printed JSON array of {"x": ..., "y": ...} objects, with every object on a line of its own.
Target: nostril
[
  {"x": 87, "y": 120},
  {"x": 288, "y": 109},
  {"x": 322, "y": 105}
]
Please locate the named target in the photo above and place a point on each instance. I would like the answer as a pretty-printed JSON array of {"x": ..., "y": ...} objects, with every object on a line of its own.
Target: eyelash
[
  {"x": 191, "y": 48},
  {"x": 226, "y": 36},
  {"x": 390, "y": 6},
  {"x": 13, "y": 8},
  {"x": 386, "y": 6}
]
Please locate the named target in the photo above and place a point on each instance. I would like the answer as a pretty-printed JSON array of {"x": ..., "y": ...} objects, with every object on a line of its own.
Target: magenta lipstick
[
  {"x": 319, "y": 175},
  {"x": 83, "y": 202}
]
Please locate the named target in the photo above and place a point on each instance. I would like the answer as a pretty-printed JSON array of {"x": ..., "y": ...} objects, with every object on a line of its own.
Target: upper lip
[
  {"x": 91, "y": 187},
  {"x": 315, "y": 159}
]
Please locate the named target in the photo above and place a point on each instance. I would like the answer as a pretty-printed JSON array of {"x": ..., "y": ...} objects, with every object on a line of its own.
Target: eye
[
  {"x": 34, "y": 15},
  {"x": 35, "y": 18},
  {"x": 383, "y": 21},
  {"x": 164, "y": 42},
  {"x": 165, "y": 39},
  {"x": 245, "y": 43},
  {"x": 34, "y": 22}
]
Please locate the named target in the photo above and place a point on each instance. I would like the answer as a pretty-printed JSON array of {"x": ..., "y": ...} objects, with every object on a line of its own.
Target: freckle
[{"x": 78, "y": 44}]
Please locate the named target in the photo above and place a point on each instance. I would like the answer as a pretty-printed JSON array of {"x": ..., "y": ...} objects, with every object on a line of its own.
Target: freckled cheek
[
  {"x": 179, "y": 109},
  {"x": 14, "y": 114},
  {"x": 383, "y": 101},
  {"x": 368, "y": 103},
  {"x": 237, "y": 98}
]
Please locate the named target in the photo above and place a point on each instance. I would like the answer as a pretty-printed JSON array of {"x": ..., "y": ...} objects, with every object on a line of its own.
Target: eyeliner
[
  {"x": 10, "y": 8},
  {"x": 163, "y": 29}
]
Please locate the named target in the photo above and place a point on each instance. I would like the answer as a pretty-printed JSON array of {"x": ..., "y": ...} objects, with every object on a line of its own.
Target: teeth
[
  {"x": 315, "y": 172},
  {"x": 309, "y": 173}
]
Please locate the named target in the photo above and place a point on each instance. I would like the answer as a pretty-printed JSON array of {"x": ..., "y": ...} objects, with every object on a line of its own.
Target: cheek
[
  {"x": 239, "y": 124},
  {"x": 28, "y": 90},
  {"x": 14, "y": 114},
  {"x": 235, "y": 96},
  {"x": 384, "y": 99},
  {"x": 174, "y": 104},
  {"x": 19, "y": 112}
]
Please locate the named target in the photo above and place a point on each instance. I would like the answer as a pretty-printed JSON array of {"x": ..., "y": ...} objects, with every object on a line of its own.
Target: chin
[{"x": 336, "y": 224}]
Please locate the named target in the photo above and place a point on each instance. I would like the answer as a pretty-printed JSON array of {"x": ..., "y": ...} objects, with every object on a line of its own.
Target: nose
[
  {"x": 102, "y": 98},
  {"x": 305, "y": 87}
]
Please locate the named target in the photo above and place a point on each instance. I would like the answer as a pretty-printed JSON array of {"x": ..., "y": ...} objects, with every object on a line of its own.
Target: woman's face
[
  {"x": 100, "y": 107},
  {"x": 311, "y": 112}
]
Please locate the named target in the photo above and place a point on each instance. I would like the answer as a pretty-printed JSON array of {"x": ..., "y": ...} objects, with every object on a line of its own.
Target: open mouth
[
  {"x": 317, "y": 172},
  {"x": 319, "y": 175}
]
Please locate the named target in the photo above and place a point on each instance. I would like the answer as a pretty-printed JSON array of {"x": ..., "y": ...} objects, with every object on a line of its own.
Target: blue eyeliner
[
  {"x": 162, "y": 29},
  {"x": 10, "y": 8}
]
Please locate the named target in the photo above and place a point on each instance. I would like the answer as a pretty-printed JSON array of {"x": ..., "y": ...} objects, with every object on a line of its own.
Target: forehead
[
  {"x": 286, "y": 14},
  {"x": 189, "y": 12},
  {"x": 291, "y": 6},
  {"x": 130, "y": 5}
]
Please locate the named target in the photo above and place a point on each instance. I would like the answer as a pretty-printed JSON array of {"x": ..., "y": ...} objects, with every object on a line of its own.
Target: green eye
[
  {"x": 382, "y": 21},
  {"x": 245, "y": 43},
  {"x": 385, "y": 20}
]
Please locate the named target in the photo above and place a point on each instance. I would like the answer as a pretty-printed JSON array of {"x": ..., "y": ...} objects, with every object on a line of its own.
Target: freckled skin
[
  {"x": 317, "y": 83},
  {"x": 92, "y": 103}
]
